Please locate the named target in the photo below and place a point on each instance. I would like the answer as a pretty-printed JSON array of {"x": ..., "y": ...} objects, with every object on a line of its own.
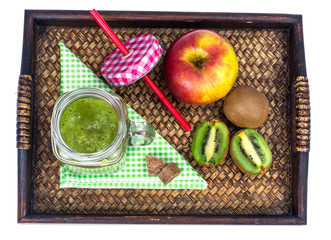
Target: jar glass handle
[{"x": 140, "y": 133}]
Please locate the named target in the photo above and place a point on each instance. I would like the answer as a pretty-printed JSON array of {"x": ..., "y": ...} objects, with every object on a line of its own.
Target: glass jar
[{"x": 113, "y": 156}]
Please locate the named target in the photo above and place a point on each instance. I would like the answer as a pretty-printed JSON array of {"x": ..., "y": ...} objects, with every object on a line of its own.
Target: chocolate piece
[
  {"x": 169, "y": 172},
  {"x": 154, "y": 165}
]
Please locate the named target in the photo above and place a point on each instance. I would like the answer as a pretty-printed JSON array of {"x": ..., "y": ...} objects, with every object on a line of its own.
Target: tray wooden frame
[{"x": 300, "y": 114}]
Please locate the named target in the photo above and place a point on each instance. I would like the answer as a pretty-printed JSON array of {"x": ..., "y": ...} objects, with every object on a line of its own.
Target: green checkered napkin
[{"x": 74, "y": 74}]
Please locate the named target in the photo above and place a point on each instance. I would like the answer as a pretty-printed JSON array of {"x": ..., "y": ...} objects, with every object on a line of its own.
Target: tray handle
[
  {"x": 24, "y": 105},
  {"x": 302, "y": 106}
]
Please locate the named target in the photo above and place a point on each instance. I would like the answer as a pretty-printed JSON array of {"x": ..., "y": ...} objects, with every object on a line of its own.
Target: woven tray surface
[{"x": 263, "y": 63}]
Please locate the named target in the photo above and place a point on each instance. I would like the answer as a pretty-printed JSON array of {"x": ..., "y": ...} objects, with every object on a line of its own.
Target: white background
[{"x": 316, "y": 26}]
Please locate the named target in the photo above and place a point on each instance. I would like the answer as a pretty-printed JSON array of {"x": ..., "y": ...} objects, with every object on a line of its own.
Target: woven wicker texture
[{"x": 263, "y": 63}]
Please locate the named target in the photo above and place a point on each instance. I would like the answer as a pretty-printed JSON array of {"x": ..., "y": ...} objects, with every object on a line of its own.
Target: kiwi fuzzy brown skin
[
  {"x": 246, "y": 107},
  {"x": 235, "y": 160}
]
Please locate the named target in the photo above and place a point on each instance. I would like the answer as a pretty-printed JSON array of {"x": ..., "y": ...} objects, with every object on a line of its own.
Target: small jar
[{"x": 112, "y": 157}]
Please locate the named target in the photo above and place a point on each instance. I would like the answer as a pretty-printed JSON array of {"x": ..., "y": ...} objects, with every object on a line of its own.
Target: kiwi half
[
  {"x": 211, "y": 142},
  {"x": 250, "y": 152}
]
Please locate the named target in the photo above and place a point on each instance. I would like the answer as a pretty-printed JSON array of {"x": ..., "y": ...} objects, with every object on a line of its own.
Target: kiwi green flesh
[
  {"x": 251, "y": 151},
  {"x": 210, "y": 142}
]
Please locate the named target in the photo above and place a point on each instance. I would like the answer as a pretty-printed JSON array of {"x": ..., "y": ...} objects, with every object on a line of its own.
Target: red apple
[{"x": 200, "y": 67}]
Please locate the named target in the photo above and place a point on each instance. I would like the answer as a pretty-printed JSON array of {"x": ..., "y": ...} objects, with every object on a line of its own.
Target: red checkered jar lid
[{"x": 144, "y": 53}]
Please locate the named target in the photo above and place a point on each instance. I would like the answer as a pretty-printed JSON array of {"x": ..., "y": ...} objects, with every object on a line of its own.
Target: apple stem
[{"x": 199, "y": 63}]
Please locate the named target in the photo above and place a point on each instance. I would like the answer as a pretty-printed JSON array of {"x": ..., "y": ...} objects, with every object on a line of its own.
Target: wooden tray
[{"x": 271, "y": 58}]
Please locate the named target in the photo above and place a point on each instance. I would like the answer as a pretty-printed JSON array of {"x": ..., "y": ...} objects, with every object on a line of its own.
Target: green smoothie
[{"x": 89, "y": 125}]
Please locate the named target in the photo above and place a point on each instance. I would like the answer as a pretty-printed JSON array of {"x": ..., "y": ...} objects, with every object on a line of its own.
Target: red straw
[
  {"x": 109, "y": 32},
  {"x": 167, "y": 103},
  {"x": 147, "y": 79}
]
